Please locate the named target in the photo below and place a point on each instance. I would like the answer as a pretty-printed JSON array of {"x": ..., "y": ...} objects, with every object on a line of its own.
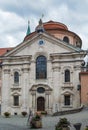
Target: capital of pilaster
[
  {"x": 56, "y": 69},
  {"x": 25, "y": 70},
  {"x": 47, "y": 92},
  {"x": 6, "y": 71},
  {"x": 33, "y": 93},
  {"x": 56, "y": 66},
  {"x": 77, "y": 67}
]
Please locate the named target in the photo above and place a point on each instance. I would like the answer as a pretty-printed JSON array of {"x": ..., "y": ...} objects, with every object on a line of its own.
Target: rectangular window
[
  {"x": 67, "y": 76},
  {"x": 16, "y": 100},
  {"x": 16, "y": 77},
  {"x": 66, "y": 99}
]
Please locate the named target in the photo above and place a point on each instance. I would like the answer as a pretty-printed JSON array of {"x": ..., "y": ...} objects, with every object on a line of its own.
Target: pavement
[{"x": 49, "y": 122}]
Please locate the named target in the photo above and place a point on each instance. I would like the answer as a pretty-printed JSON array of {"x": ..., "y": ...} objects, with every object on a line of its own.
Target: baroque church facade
[{"x": 42, "y": 73}]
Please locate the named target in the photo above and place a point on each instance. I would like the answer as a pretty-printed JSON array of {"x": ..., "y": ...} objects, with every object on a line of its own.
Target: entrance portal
[{"x": 40, "y": 104}]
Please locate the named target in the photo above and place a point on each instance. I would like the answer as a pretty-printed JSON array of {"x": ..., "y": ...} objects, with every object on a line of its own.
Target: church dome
[
  {"x": 51, "y": 25},
  {"x": 58, "y": 30}
]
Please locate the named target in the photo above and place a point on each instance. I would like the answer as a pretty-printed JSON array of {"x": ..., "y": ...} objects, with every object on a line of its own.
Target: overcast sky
[{"x": 14, "y": 16}]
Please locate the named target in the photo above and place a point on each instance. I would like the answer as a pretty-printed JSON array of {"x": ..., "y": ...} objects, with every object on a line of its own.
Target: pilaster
[
  {"x": 33, "y": 93},
  {"x": 25, "y": 83},
  {"x": 56, "y": 87},
  {"x": 5, "y": 90}
]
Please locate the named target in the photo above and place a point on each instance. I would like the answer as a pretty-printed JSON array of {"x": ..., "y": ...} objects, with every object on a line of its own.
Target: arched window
[
  {"x": 41, "y": 67},
  {"x": 67, "y": 75},
  {"x": 66, "y": 39},
  {"x": 16, "y": 77}
]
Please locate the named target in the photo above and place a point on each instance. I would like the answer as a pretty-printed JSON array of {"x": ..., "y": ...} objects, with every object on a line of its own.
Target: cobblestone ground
[{"x": 20, "y": 123}]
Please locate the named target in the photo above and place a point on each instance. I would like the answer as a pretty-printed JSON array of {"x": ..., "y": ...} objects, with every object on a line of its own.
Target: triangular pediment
[
  {"x": 15, "y": 93},
  {"x": 67, "y": 92},
  {"x": 32, "y": 46}
]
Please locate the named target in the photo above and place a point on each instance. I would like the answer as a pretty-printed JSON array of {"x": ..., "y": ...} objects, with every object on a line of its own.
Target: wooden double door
[{"x": 40, "y": 104}]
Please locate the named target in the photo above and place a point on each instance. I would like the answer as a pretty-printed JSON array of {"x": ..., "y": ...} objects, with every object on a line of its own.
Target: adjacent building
[
  {"x": 2, "y": 52},
  {"x": 42, "y": 73},
  {"x": 83, "y": 75}
]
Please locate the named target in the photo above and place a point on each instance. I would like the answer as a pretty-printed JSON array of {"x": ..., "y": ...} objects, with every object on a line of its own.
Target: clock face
[{"x": 41, "y": 42}]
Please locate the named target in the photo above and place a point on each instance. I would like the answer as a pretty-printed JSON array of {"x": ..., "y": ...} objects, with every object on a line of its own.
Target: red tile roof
[
  {"x": 4, "y": 50},
  {"x": 54, "y": 25}
]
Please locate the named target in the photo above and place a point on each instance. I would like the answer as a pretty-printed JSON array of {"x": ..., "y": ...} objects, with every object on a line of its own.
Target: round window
[{"x": 40, "y": 90}]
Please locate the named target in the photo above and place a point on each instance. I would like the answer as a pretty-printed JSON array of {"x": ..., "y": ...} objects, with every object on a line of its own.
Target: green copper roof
[{"x": 28, "y": 29}]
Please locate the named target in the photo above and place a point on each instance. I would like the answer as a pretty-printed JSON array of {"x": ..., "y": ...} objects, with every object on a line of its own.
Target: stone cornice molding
[
  {"x": 16, "y": 89},
  {"x": 19, "y": 59},
  {"x": 58, "y": 56}
]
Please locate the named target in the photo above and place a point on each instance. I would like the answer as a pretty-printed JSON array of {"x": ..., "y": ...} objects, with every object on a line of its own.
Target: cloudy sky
[{"x": 14, "y": 16}]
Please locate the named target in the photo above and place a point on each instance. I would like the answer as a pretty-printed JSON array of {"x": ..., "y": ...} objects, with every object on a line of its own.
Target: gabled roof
[{"x": 43, "y": 35}]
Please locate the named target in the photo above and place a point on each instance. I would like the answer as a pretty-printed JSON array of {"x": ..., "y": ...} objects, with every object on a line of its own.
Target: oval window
[{"x": 40, "y": 90}]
